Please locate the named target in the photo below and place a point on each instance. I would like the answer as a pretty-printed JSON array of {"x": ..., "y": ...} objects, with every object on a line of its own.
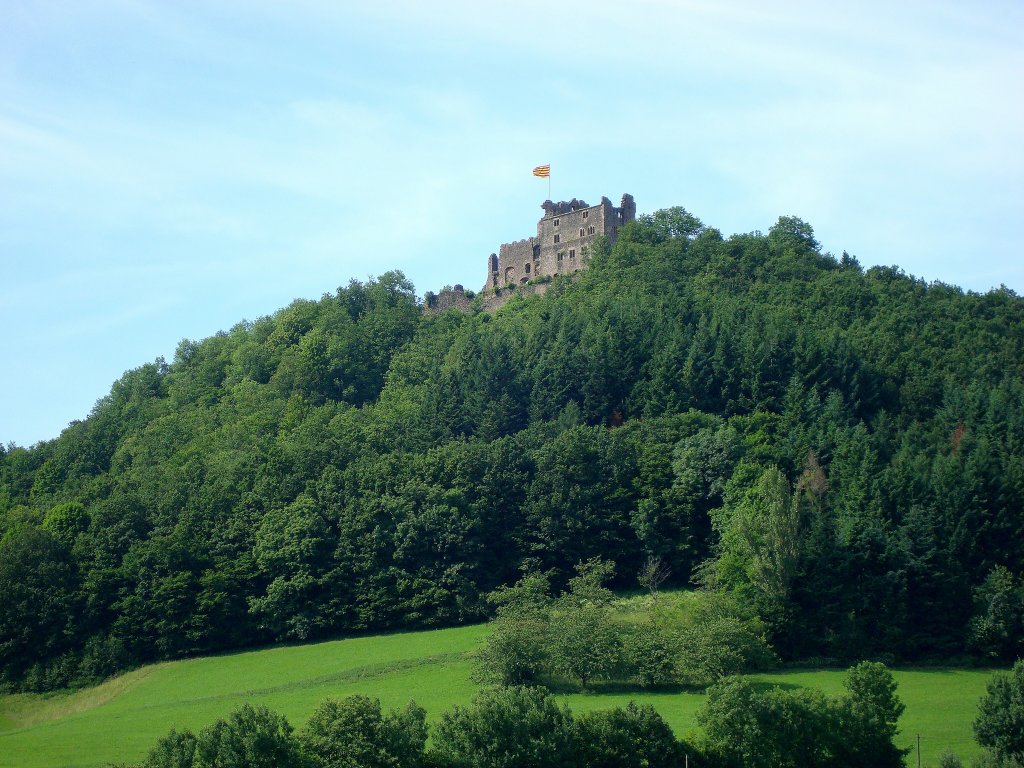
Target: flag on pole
[{"x": 542, "y": 170}]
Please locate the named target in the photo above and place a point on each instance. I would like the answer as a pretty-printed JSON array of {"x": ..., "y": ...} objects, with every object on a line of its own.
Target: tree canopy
[{"x": 840, "y": 449}]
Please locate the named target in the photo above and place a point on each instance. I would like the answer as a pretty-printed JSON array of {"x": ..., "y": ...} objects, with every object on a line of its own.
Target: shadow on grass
[
  {"x": 565, "y": 687},
  {"x": 617, "y": 688}
]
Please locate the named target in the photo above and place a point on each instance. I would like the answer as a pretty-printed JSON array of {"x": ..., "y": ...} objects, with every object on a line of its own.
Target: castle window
[
  {"x": 572, "y": 253},
  {"x": 590, "y": 230},
  {"x": 558, "y": 238},
  {"x": 526, "y": 268},
  {"x": 581, "y": 232},
  {"x": 585, "y": 214},
  {"x": 561, "y": 255},
  {"x": 556, "y": 222}
]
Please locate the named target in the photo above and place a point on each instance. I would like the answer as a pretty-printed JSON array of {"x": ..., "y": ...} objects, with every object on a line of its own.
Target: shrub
[
  {"x": 652, "y": 651},
  {"x": 583, "y": 643},
  {"x": 1000, "y": 723},
  {"x": 506, "y": 728},
  {"x": 251, "y": 737},
  {"x": 745, "y": 726},
  {"x": 721, "y": 646},
  {"x": 630, "y": 737},
  {"x": 750, "y": 727},
  {"x": 516, "y": 651},
  {"x": 355, "y": 733},
  {"x": 175, "y": 750},
  {"x": 870, "y": 713}
]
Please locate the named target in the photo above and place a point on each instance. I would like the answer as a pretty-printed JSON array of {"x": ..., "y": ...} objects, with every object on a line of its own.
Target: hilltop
[{"x": 842, "y": 449}]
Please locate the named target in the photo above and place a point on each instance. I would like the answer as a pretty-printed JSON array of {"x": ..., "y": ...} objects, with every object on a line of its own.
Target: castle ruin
[{"x": 564, "y": 234}]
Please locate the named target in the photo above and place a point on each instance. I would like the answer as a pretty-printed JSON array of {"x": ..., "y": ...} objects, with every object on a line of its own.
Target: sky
[{"x": 169, "y": 169}]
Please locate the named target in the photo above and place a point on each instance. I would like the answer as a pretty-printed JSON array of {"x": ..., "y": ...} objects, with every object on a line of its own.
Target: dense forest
[{"x": 840, "y": 449}]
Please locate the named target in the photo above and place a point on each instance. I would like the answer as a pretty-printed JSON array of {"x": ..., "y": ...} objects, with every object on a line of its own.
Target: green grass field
[{"x": 120, "y": 720}]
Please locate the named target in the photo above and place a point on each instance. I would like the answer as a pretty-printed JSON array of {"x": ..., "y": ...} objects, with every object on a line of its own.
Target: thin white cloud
[{"x": 248, "y": 149}]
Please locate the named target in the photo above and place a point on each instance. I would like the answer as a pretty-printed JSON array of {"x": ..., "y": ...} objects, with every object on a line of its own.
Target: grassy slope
[{"x": 121, "y": 719}]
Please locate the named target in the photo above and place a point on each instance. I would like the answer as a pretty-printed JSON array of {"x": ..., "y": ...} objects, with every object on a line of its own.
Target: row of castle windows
[
  {"x": 572, "y": 254},
  {"x": 583, "y": 232},
  {"x": 586, "y": 215}
]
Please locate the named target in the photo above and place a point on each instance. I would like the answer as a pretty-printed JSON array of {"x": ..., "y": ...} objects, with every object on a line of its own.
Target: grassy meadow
[{"x": 120, "y": 720}]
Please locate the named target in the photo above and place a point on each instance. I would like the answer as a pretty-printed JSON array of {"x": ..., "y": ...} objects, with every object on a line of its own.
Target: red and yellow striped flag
[{"x": 542, "y": 170}]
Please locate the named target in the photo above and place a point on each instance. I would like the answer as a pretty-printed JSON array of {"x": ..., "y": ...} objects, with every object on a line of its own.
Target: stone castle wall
[
  {"x": 448, "y": 298},
  {"x": 564, "y": 236},
  {"x": 516, "y": 262}
]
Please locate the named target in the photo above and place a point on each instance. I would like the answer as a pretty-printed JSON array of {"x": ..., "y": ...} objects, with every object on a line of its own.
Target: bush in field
[
  {"x": 747, "y": 725},
  {"x": 652, "y": 652},
  {"x": 583, "y": 642},
  {"x": 535, "y": 637},
  {"x": 869, "y": 716},
  {"x": 1000, "y": 723},
  {"x": 506, "y": 728},
  {"x": 516, "y": 651},
  {"x": 721, "y": 639},
  {"x": 175, "y": 750},
  {"x": 718, "y": 648},
  {"x": 250, "y": 737},
  {"x": 355, "y": 733},
  {"x": 626, "y": 737}
]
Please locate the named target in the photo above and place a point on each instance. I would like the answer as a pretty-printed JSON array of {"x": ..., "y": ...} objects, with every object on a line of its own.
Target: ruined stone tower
[{"x": 564, "y": 233}]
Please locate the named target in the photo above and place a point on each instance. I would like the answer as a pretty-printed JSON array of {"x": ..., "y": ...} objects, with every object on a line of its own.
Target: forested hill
[{"x": 841, "y": 449}]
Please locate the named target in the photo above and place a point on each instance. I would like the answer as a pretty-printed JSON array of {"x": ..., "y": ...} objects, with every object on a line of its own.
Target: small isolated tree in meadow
[
  {"x": 652, "y": 652},
  {"x": 871, "y": 712},
  {"x": 516, "y": 651},
  {"x": 584, "y": 643},
  {"x": 999, "y": 726},
  {"x": 653, "y": 573}
]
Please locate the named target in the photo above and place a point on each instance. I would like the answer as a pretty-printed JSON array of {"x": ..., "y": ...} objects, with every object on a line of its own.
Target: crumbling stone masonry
[
  {"x": 449, "y": 297},
  {"x": 565, "y": 232}
]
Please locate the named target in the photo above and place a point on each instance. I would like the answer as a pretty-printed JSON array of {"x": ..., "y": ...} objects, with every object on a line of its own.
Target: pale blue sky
[{"x": 169, "y": 169}]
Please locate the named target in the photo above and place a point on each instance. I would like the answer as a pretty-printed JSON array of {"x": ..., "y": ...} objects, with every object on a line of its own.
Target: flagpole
[{"x": 542, "y": 171}]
